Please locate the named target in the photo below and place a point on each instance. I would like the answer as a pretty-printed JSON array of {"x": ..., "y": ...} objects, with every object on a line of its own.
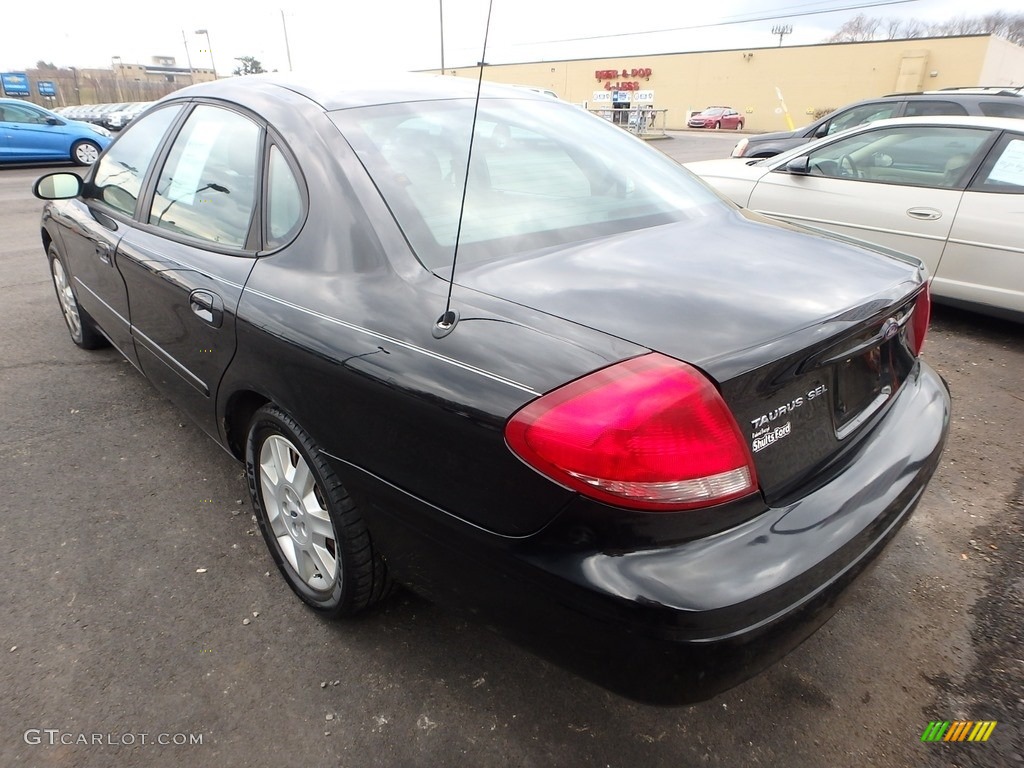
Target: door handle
[
  {"x": 924, "y": 214},
  {"x": 208, "y": 307},
  {"x": 103, "y": 251}
]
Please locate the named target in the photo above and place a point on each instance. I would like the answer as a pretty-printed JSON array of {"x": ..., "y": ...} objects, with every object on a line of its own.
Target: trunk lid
[{"x": 804, "y": 335}]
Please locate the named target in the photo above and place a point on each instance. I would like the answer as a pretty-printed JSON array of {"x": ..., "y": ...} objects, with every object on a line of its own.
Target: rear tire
[
  {"x": 314, "y": 532},
  {"x": 83, "y": 329}
]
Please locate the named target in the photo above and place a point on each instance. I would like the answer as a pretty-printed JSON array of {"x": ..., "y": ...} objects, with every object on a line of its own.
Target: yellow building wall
[{"x": 811, "y": 79}]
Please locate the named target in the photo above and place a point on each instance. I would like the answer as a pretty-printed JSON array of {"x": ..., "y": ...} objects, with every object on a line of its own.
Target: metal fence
[{"x": 646, "y": 122}]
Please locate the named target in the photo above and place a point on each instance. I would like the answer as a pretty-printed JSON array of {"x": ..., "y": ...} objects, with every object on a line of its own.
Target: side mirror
[
  {"x": 53, "y": 121},
  {"x": 800, "y": 166},
  {"x": 57, "y": 186}
]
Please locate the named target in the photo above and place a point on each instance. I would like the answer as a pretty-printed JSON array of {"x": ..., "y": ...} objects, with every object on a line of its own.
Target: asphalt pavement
[{"x": 145, "y": 624}]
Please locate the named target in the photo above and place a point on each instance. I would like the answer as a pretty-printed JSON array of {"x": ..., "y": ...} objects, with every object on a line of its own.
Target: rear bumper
[{"x": 680, "y": 623}]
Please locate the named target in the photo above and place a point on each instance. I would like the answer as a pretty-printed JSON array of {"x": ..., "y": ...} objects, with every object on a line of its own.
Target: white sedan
[{"x": 949, "y": 190}]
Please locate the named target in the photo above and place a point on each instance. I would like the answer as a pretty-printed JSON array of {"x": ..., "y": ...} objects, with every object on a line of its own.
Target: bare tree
[
  {"x": 861, "y": 28},
  {"x": 857, "y": 29}
]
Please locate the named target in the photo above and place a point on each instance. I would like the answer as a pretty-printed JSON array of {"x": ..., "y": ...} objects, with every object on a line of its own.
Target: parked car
[
  {"x": 992, "y": 102},
  {"x": 117, "y": 119},
  {"x": 29, "y": 133},
  {"x": 604, "y": 427},
  {"x": 947, "y": 190},
  {"x": 716, "y": 117}
]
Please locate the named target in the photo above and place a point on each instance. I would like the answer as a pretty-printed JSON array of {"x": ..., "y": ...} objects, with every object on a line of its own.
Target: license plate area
[{"x": 865, "y": 381}]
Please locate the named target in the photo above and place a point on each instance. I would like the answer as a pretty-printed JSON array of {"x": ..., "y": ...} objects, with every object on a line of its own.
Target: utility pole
[
  {"x": 782, "y": 30},
  {"x": 287, "y": 48},
  {"x": 440, "y": 7},
  {"x": 188, "y": 58}
]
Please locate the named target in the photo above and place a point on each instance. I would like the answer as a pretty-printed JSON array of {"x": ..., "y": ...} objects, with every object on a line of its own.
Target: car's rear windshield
[{"x": 543, "y": 173}]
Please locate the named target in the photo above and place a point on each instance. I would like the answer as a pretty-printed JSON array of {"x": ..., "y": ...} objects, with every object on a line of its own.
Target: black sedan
[{"x": 647, "y": 433}]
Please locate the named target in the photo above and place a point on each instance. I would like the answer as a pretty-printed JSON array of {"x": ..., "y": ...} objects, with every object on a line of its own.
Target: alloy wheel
[
  {"x": 297, "y": 514},
  {"x": 66, "y": 297}
]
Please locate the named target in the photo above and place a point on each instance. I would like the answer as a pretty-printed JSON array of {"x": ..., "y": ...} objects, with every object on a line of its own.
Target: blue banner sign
[
  {"x": 46, "y": 88},
  {"x": 15, "y": 83}
]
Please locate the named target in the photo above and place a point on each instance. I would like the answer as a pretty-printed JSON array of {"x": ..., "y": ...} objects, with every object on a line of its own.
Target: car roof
[
  {"x": 963, "y": 121},
  {"x": 332, "y": 93},
  {"x": 23, "y": 101},
  {"x": 982, "y": 90}
]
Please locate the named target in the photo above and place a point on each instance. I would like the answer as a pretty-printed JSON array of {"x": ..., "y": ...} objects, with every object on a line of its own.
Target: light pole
[
  {"x": 117, "y": 80},
  {"x": 782, "y": 30},
  {"x": 287, "y": 48},
  {"x": 210, "y": 49}
]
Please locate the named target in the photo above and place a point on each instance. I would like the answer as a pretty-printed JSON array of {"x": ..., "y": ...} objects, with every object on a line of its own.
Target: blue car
[{"x": 29, "y": 133}]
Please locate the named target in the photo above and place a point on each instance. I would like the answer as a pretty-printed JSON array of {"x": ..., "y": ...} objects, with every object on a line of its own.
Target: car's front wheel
[
  {"x": 314, "y": 531},
  {"x": 718, "y": 126},
  {"x": 81, "y": 327},
  {"x": 85, "y": 152}
]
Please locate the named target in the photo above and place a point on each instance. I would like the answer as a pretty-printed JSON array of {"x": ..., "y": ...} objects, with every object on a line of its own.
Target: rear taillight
[
  {"x": 648, "y": 433},
  {"x": 918, "y": 325}
]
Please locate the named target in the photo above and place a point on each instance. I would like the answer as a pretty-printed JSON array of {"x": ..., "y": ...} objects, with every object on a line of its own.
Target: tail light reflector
[{"x": 648, "y": 433}]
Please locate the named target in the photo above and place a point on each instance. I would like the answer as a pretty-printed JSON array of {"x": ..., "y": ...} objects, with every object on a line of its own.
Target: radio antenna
[{"x": 445, "y": 324}]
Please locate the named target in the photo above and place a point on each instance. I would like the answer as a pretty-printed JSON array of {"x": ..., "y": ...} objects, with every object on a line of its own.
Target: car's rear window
[
  {"x": 542, "y": 174},
  {"x": 1002, "y": 109}
]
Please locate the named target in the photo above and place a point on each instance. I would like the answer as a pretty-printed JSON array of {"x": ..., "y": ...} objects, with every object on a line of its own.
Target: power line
[{"x": 774, "y": 17}]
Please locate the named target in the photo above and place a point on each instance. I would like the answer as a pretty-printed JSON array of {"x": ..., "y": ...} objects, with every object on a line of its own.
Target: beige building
[{"x": 759, "y": 82}]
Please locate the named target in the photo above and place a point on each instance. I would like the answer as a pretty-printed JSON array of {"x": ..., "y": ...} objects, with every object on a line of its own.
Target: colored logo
[{"x": 958, "y": 730}]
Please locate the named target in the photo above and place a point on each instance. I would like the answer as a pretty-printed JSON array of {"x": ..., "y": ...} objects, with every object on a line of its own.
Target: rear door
[
  {"x": 897, "y": 186},
  {"x": 984, "y": 260},
  {"x": 187, "y": 261}
]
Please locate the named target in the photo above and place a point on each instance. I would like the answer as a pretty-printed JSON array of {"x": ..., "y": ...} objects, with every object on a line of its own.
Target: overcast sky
[{"x": 363, "y": 37}]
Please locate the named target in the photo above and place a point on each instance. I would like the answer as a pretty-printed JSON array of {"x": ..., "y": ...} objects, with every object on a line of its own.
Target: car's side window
[
  {"x": 284, "y": 200},
  {"x": 919, "y": 108},
  {"x": 19, "y": 114},
  {"x": 913, "y": 155},
  {"x": 207, "y": 187},
  {"x": 1002, "y": 109},
  {"x": 118, "y": 177},
  {"x": 1003, "y": 170},
  {"x": 865, "y": 113}
]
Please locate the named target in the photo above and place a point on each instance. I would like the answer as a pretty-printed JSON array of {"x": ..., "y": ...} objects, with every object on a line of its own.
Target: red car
[{"x": 717, "y": 117}]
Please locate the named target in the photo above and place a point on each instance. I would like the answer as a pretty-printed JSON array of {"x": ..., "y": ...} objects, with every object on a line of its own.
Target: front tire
[
  {"x": 718, "y": 126},
  {"x": 314, "y": 531},
  {"x": 82, "y": 328},
  {"x": 85, "y": 152}
]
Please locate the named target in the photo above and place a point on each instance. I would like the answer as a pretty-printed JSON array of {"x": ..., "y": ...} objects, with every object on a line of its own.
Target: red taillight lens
[
  {"x": 648, "y": 433},
  {"x": 919, "y": 320}
]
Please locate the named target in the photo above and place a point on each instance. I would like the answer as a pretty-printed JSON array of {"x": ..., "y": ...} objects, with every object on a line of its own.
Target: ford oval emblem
[{"x": 890, "y": 328}]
